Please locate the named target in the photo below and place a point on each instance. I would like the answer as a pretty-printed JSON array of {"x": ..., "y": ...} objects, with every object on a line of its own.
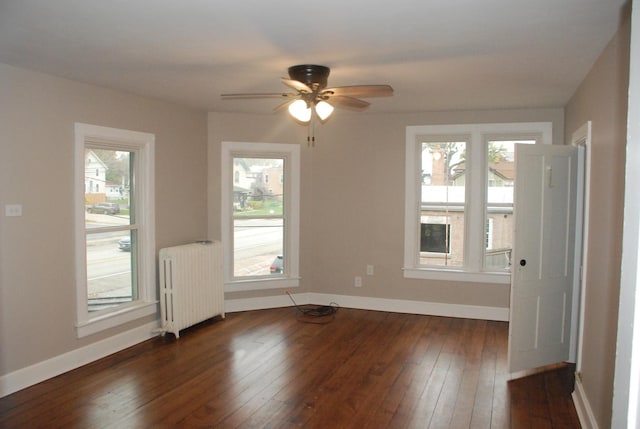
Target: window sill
[
  {"x": 261, "y": 284},
  {"x": 119, "y": 316},
  {"x": 457, "y": 275}
]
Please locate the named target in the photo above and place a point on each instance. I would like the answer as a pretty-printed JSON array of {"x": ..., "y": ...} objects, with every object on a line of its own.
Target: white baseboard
[
  {"x": 41, "y": 371},
  {"x": 583, "y": 408},
  {"x": 49, "y": 368},
  {"x": 378, "y": 304},
  {"x": 263, "y": 303}
]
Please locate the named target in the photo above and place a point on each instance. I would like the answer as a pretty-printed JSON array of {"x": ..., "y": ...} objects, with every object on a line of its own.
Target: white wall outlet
[
  {"x": 369, "y": 270},
  {"x": 13, "y": 210},
  {"x": 358, "y": 282}
]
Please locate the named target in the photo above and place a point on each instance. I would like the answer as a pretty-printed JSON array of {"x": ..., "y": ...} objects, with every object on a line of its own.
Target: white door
[{"x": 543, "y": 255}]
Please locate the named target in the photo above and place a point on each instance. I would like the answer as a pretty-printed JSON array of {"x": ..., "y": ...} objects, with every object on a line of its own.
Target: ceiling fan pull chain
[
  {"x": 311, "y": 140},
  {"x": 311, "y": 134}
]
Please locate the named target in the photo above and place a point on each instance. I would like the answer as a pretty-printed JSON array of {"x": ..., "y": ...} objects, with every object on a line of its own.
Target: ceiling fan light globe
[
  {"x": 300, "y": 111},
  {"x": 324, "y": 110}
]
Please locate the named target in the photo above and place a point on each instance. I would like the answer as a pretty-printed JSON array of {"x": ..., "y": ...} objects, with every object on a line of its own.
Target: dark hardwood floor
[{"x": 266, "y": 369}]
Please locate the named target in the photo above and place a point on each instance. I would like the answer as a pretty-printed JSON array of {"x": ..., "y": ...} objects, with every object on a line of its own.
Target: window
[
  {"x": 115, "y": 245},
  {"x": 459, "y": 199},
  {"x": 259, "y": 223}
]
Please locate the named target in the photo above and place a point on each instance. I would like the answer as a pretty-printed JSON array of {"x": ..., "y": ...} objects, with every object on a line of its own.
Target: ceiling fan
[{"x": 309, "y": 81}]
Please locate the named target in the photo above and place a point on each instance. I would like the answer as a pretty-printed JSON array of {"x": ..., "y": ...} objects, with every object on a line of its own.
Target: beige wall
[
  {"x": 602, "y": 99},
  {"x": 352, "y": 211},
  {"x": 37, "y": 115}
]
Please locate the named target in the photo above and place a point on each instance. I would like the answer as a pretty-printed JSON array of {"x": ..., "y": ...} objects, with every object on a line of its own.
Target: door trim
[{"x": 581, "y": 138}]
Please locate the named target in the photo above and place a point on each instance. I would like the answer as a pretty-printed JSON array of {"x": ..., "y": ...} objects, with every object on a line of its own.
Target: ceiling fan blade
[
  {"x": 282, "y": 105},
  {"x": 360, "y": 91},
  {"x": 241, "y": 96},
  {"x": 295, "y": 84},
  {"x": 348, "y": 102}
]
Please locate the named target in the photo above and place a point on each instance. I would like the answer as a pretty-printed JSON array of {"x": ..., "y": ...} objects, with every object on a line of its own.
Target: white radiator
[{"x": 191, "y": 285}]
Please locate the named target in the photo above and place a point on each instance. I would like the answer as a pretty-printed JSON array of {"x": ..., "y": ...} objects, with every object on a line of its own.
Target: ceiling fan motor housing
[{"x": 310, "y": 74}]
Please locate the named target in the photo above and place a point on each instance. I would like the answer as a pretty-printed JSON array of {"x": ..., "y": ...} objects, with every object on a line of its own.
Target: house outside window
[
  {"x": 260, "y": 223},
  {"x": 459, "y": 199},
  {"x": 115, "y": 244}
]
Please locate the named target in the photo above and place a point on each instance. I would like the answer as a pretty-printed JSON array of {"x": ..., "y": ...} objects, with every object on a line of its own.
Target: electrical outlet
[
  {"x": 369, "y": 270},
  {"x": 358, "y": 282}
]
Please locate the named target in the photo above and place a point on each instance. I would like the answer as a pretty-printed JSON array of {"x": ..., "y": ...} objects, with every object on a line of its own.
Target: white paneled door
[{"x": 543, "y": 255}]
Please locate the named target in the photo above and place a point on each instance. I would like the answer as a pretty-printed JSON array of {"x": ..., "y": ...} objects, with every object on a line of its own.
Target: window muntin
[
  {"x": 115, "y": 245},
  {"x": 477, "y": 218},
  {"x": 260, "y": 218}
]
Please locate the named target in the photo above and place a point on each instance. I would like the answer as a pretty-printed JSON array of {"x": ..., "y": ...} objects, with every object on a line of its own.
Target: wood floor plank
[
  {"x": 266, "y": 369},
  {"x": 501, "y": 405},
  {"x": 341, "y": 392},
  {"x": 472, "y": 345},
  {"x": 484, "y": 396},
  {"x": 411, "y": 403},
  {"x": 396, "y": 371},
  {"x": 384, "y": 369}
]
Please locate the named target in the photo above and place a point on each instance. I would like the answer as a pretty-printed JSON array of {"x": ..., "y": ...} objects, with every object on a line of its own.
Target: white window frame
[
  {"x": 143, "y": 145},
  {"x": 291, "y": 154},
  {"x": 475, "y": 213}
]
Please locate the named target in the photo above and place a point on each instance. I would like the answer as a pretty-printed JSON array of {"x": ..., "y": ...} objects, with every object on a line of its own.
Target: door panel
[{"x": 542, "y": 278}]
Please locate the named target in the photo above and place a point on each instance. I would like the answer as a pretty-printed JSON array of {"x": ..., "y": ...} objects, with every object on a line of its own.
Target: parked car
[
  {"x": 277, "y": 266},
  {"x": 115, "y": 206},
  {"x": 124, "y": 244},
  {"x": 104, "y": 208}
]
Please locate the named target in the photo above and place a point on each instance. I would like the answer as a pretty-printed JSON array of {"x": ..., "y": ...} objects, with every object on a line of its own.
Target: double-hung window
[
  {"x": 115, "y": 246},
  {"x": 459, "y": 199},
  {"x": 260, "y": 215}
]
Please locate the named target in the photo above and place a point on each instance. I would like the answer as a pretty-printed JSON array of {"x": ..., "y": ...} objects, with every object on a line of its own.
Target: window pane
[
  {"x": 442, "y": 212},
  {"x": 501, "y": 175},
  {"x": 258, "y": 217},
  {"x": 111, "y": 269},
  {"x": 258, "y": 246},
  {"x": 106, "y": 187},
  {"x": 111, "y": 255}
]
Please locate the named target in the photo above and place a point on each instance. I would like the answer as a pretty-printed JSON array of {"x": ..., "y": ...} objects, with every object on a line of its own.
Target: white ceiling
[{"x": 437, "y": 54}]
